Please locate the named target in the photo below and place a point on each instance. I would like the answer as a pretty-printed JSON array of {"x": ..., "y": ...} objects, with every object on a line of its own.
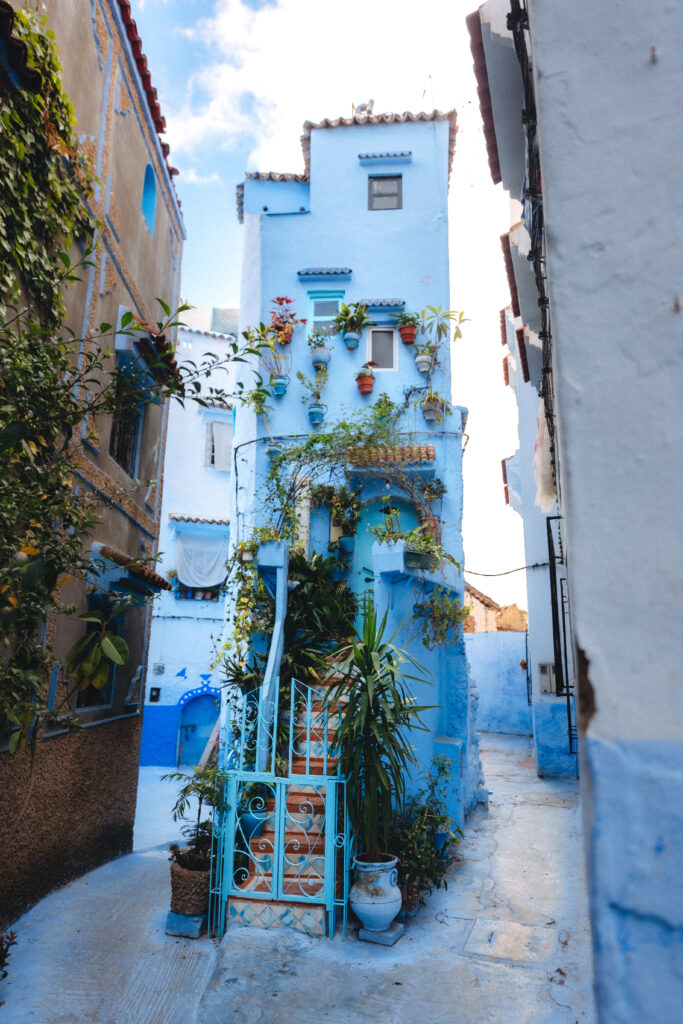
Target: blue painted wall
[
  {"x": 389, "y": 254},
  {"x": 494, "y": 659}
]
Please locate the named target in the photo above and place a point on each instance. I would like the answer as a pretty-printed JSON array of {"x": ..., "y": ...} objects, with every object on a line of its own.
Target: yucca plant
[{"x": 372, "y": 740}]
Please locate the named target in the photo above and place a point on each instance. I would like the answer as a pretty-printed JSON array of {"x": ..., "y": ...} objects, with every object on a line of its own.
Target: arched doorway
[
  {"x": 362, "y": 580},
  {"x": 197, "y": 719}
]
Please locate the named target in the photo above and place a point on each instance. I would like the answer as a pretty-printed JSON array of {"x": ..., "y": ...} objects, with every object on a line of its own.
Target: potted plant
[
  {"x": 432, "y": 492},
  {"x": 440, "y": 617},
  {"x": 191, "y": 864},
  {"x": 283, "y": 320},
  {"x": 434, "y": 406},
  {"x": 320, "y": 352},
  {"x": 245, "y": 551},
  {"x": 365, "y": 378},
  {"x": 277, "y": 363},
  {"x": 422, "y": 835},
  {"x": 350, "y": 321},
  {"x": 421, "y": 550},
  {"x": 373, "y": 744},
  {"x": 345, "y": 512},
  {"x": 408, "y": 324},
  {"x": 424, "y": 356},
  {"x": 315, "y": 389}
]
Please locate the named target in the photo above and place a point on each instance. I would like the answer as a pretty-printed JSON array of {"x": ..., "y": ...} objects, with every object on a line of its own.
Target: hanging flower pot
[
  {"x": 320, "y": 356},
  {"x": 423, "y": 361},
  {"x": 433, "y": 408},
  {"x": 346, "y": 543},
  {"x": 280, "y": 385},
  {"x": 273, "y": 448},
  {"x": 351, "y": 339},
  {"x": 432, "y": 524},
  {"x": 408, "y": 333},
  {"x": 316, "y": 412},
  {"x": 365, "y": 378}
]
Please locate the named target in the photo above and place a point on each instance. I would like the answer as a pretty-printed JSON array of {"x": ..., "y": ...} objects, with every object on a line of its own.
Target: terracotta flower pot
[
  {"x": 432, "y": 524},
  {"x": 365, "y": 383},
  {"x": 189, "y": 891},
  {"x": 408, "y": 333}
]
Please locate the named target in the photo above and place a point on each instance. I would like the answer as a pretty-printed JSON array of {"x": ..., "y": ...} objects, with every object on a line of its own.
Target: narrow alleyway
[{"x": 508, "y": 943}]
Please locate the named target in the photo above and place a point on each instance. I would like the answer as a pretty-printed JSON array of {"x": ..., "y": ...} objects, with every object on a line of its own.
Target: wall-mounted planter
[
  {"x": 365, "y": 382},
  {"x": 423, "y": 361},
  {"x": 408, "y": 333},
  {"x": 247, "y": 555},
  {"x": 351, "y": 339},
  {"x": 432, "y": 409},
  {"x": 316, "y": 413},
  {"x": 320, "y": 357},
  {"x": 346, "y": 544},
  {"x": 274, "y": 448},
  {"x": 418, "y": 559},
  {"x": 280, "y": 385}
]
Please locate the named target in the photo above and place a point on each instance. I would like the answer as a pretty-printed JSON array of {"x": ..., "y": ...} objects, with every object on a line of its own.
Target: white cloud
[
  {"x": 191, "y": 176},
  {"x": 270, "y": 70}
]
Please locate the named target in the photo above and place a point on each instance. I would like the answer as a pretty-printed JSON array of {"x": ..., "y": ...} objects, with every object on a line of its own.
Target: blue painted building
[
  {"x": 182, "y": 689},
  {"x": 366, "y": 222}
]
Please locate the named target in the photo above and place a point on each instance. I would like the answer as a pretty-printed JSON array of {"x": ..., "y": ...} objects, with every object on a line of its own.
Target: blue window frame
[{"x": 323, "y": 306}]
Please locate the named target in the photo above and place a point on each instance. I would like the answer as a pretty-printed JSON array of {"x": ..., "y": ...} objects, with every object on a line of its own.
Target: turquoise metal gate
[{"x": 282, "y": 849}]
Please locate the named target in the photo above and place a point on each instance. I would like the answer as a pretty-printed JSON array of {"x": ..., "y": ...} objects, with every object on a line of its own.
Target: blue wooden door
[{"x": 197, "y": 719}]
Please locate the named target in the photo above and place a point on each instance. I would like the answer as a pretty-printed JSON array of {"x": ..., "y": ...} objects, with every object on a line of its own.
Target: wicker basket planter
[{"x": 189, "y": 891}]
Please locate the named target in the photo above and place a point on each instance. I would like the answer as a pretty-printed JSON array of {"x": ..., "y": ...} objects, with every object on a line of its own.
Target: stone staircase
[{"x": 302, "y": 855}]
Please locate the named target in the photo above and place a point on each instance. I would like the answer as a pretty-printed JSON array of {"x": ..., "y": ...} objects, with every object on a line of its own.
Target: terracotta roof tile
[
  {"x": 481, "y": 74},
  {"x": 197, "y": 519},
  {"x": 135, "y": 568},
  {"x": 506, "y": 371},
  {"x": 503, "y": 331},
  {"x": 521, "y": 346},
  {"x": 409, "y": 454},
  {"x": 141, "y": 61},
  {"x": 510, "y": 271},
  {"x": 504, "y": 468},
  {"x": 386, "y": 118},
  {"x": 479, "y": 596}
]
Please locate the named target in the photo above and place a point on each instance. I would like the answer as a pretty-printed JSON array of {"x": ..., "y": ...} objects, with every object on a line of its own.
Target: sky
[{"x": 236, "y": 80}]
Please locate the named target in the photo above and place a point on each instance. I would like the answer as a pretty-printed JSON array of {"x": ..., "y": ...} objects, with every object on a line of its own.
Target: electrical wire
[{"x": 536, "y": 565}]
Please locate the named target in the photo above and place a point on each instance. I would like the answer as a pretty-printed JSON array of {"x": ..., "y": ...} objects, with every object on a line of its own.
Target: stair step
[{"x": 309, "y": 918}]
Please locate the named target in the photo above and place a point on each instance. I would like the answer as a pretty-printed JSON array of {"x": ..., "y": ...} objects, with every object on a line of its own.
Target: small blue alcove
[{"x": 149, "y": 198}]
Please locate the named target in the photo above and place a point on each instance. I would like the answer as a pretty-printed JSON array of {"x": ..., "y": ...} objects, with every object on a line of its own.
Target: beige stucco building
[{"x": 78, "y": 797}]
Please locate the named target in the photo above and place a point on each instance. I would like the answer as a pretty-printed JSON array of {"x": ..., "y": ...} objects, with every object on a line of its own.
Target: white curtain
[
  {"x": 201, "y": 558},
  {"x": 220, "y": 442}
]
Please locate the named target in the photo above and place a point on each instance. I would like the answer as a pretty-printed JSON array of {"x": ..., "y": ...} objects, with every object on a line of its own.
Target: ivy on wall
[{"x": 53, "y": 387}]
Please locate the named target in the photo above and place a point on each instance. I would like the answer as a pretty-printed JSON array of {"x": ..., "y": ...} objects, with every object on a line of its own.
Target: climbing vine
[{"x": 53, "y": 387}]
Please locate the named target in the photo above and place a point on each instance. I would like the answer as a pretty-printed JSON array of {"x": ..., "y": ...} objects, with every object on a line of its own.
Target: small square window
[
  {"x": 382, "y": 347},
  {"x": 385, "y": 193}
]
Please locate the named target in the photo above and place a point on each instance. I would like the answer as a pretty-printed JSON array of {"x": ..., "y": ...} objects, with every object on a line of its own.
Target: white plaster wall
[{"x": 610, "y": 131}]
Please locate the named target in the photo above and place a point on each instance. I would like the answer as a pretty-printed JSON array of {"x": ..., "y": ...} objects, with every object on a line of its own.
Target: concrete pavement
[{"x": 508, "y": 943}]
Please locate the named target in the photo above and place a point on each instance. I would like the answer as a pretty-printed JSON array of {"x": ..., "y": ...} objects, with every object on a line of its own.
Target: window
[
  {"x": 382, "y": 347},
  {"x": 322, "y": 309},
  {"x": 149, "y": 198},
  {"x": 93, "y": 697},
  {"x": 385, "y": 193},
  {"x": 219, "y": 445},
  {"x": 126, "y": 430}
]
